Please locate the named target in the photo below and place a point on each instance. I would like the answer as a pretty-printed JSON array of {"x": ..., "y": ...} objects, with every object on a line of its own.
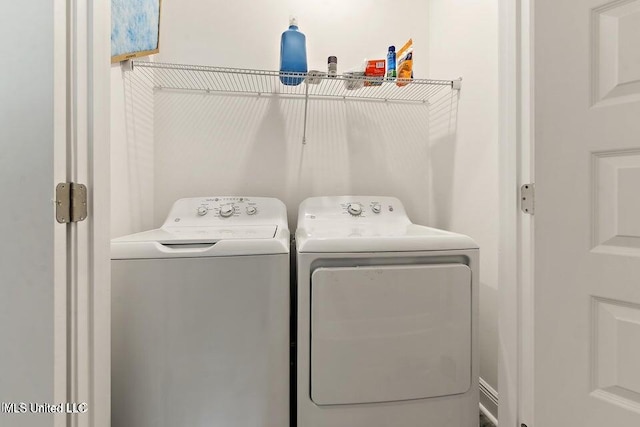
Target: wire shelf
[{"x": 264, "y": 82}]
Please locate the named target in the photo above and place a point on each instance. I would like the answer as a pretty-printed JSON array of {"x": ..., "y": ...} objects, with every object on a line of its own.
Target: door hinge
[
  {"x": 71, "y": 202},
  {"x": 528, "y": 198}
]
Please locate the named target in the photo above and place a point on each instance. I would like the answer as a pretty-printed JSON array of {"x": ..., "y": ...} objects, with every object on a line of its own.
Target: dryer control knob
[
  {"x": 251, "y": 210},
  {"x": 202, "y": 211},
  {"x": 376, "y": 208},
  {"x": 226, "y": 211},
  {"x": 354, "y": 209}
]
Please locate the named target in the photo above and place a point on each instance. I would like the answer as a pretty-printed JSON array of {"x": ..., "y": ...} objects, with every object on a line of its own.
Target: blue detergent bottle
[{"x": 293, "y": 54}]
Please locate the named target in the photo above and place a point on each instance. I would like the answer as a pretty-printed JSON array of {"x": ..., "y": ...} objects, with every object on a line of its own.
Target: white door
[
  {"x": 53, "y": 277},
  {"x": 587, "y": 215}
]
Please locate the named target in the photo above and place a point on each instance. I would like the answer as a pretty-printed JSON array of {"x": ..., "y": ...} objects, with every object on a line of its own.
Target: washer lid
[
  {"x": 212, "y": 226},
  {"x": 199, "y": 235},
  {"x": 195, "y": 242}
]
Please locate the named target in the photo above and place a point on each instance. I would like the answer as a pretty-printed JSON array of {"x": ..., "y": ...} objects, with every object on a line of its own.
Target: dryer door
[{"x": 389, "y": 333}]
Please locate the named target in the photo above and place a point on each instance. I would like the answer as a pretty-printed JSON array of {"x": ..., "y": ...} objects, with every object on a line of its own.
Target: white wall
[
  {"x": 246, "y": 33},
  {"x": 132, "y": 161},
  {"x": 463, "y": 38},
  {"x": 209, "y": 145}
]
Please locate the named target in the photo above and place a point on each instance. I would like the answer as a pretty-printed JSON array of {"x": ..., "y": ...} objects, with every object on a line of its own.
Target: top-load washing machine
[
  {"x": 387, "y": 318},
  {"x": 200, "y": 317}
]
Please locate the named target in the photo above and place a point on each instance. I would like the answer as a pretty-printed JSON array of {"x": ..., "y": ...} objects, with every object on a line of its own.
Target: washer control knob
[
  {"x": 226, "y": 211},
  {"x": 376, "y": 208},
  {"x": 251, "y": 210},
  {"x": 354, "y": 209},
  {"x": 202, "y": 211}
]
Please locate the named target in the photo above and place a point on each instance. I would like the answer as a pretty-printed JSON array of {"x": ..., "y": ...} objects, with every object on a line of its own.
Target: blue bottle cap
[{"x": 392, "y": 48}]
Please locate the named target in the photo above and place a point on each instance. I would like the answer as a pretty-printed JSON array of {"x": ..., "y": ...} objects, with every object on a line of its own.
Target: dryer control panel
[
  {"x": 223, "y": 210},
  {"x": 353, "y": 208}
]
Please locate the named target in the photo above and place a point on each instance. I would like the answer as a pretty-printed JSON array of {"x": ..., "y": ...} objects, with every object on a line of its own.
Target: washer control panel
[
  {"x": 227, "y": 207},
  {"x": 214, "y": 211}
]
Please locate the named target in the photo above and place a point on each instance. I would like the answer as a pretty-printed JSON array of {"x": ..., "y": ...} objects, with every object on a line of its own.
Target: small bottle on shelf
[
  {"x": 332, "y": 62},
  {"x": 391, "y": 63}
]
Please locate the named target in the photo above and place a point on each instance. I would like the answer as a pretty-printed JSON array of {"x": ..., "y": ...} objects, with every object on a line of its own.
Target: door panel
[
  {"x": 390, "y": 333},
  {"x": 587, "y": 218},
  {"x": 33, "y": 259},
  {"x": 615, "y": 31},
  {"x": 616, "y": 337},
  {"x": 616, "y": 207}
]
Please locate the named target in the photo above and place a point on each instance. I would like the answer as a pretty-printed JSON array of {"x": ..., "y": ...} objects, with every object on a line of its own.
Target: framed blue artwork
[{"x": 135, "y": 28}]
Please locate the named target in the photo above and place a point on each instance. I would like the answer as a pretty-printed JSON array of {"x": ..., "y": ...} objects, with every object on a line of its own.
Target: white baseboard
[{"x": 489, "y": 401}]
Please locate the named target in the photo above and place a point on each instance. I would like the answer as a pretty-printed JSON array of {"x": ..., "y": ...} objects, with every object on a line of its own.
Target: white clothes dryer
[
  {"x": 386, "y": 318},
  {"x": 200, "y": 317}
]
